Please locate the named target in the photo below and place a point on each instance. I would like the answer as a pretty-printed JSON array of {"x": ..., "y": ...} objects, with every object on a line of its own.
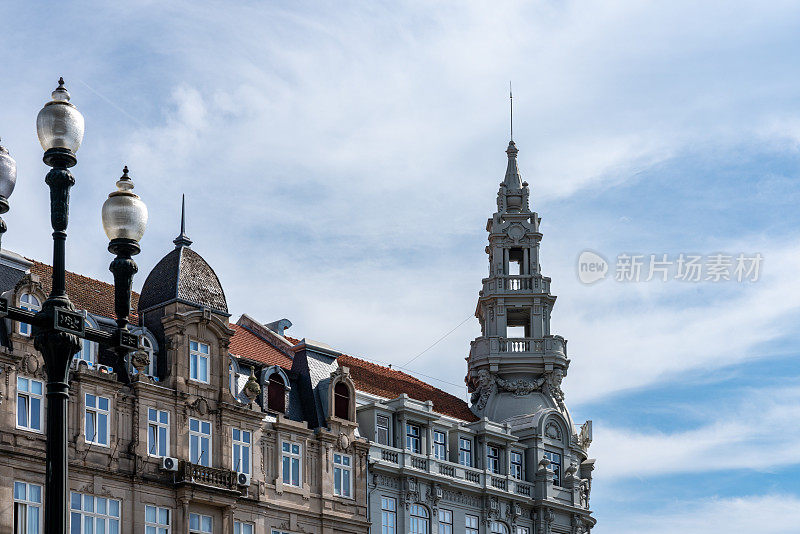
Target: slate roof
[
  {"x": 86, "y": 293},
  {"x": 183, "y": 275}
]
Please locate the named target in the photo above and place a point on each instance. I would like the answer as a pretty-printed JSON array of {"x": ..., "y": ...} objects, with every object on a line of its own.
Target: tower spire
[
  {"x": 511, "y": 102},
  {"x": 183, "y": 240}
]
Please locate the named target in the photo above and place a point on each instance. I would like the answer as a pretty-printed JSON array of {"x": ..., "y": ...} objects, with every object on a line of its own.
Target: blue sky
[{"x": 340, "y": 161}]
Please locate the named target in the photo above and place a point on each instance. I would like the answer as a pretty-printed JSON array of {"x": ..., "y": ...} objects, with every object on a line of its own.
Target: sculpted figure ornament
[
  {"x": 140, "y": 360},
  {"x": 554, "y": 379},
  {"x": 585, "y": 490},
  {"x": 520, "y": 387},
  {"x": 484, "y": 386},
  {"x": 251, "y": 388}
]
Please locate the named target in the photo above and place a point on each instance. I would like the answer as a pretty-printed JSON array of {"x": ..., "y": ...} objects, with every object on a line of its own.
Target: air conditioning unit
[
  {"x": 243, "y": 479},
  {"x": 169, "y": 464}
]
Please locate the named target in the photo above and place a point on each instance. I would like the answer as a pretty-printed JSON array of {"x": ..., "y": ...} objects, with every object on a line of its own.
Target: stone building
[{"x": 239, "y": 428}]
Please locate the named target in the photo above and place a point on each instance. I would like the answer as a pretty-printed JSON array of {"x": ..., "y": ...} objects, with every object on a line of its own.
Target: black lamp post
[{"x": 58, "y": 328}]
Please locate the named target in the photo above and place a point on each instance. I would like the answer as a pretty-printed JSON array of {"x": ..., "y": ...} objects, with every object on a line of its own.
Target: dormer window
[
  {"x": 30, "y": 303},
  {"x": 276, "y": 393},
  {"x": 341, "y": 401}
]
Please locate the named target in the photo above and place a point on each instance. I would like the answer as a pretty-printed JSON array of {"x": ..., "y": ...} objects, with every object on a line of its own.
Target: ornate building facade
[{"x": 238, "y": 428}]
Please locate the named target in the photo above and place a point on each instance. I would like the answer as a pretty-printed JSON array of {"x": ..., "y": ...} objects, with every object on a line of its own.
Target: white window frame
[
  {"x": 25, "y": 503},
  {"x": 413, "y": 439},
  {"x": 241, "y": 443},
  {"x": 493, "y": 459},
  {"x": 523, "y": 530},
  {"x": 379, "y": 427},
  {"x": 388, "y": 515},
  {"x": 97, "y": 439},
  {"x": 419, "y": 519},
  {"x": 439, "y": 447},
  {"x": 200, "y": 527},
  {"x": 445, "y": 521},
  {"x": 343, "y": 475},
  {"x": 157, "y": 526},
  {"x": 464, "y": 454},
  {"x": 92, "y": 512},
  {"x": 158, "y": 427},
  {"x": 470, "y": 524},
  {"x": 147, "y": 345},
  {"x": 196, "y": 355},
  {"x": 289, "y": 457},
  {"x": 28, "y": 396},
  {"x": 200, "y": 436},
  {"x": 24, "y": 329},
  {"x": 243, "y": 527},
  {"x": 517, "y": 469},
  {"x": 498, "y": 527}
]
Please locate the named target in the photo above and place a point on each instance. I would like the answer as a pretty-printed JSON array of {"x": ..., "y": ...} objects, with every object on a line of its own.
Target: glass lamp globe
[
  {"x": 124, "y": 214},
  {"x": 59, "y": 123},
  {"x": 8, "y": 173}
]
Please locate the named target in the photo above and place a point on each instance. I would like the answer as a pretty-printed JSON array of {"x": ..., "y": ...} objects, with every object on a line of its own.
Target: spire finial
[
  {"x": 511, "y": 102},
  {"x": 182, "y": 240}
]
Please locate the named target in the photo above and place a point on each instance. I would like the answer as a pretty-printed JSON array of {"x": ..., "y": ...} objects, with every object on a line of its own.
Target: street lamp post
[{"x": 58, "y": 327}]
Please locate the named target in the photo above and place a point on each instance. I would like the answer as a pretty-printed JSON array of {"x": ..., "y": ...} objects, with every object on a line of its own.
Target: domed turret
[{"x": 183, "y": 276}]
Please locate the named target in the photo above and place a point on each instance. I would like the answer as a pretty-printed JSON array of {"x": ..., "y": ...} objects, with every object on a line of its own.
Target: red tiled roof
[
  {"x": 86, "y": 293},
  {"x": 245, "y": 344},
  {"x": 389, "y": 383},
  {"x": 382, "y": 381}
]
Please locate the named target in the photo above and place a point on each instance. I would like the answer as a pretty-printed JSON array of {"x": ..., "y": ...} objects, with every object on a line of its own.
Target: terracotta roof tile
[
  {"x": 390, "y": 383},
  {"x": 375, "y": 379},
  {"x": 86, "y": 293},
  {"x": 245, "y": 344}
]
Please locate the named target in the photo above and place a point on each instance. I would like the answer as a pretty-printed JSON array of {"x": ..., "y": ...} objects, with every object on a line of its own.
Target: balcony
[
  {"x": 223, "y": 479},
  {"x": 516, "y": 283},
  {"x": 447, "y": 472}
]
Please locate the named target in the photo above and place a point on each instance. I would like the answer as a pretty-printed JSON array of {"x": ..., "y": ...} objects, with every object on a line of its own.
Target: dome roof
[{"x": 183, "y": 275}]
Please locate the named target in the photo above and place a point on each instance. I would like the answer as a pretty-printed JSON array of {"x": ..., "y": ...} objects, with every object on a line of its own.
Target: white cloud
[{"x": 765, "y": 514}]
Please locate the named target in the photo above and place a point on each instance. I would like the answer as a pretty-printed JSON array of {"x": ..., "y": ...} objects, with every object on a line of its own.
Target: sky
[{"x": 340, "y": 160}]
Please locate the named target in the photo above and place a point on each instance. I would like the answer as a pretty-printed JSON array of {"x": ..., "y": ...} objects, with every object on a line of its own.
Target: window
[
  {"x": 27, "y": 508},
  {"x": 157, "y": 433},
  {"x": 419, "y": 519},
  {"x": 341, "y": 401},
  {"x": 493, "y": 459},
  {"x": 242, "y": 528},
  {"x": 471, "y": 524},
  {"x": 412, "y": 438},
  {"x": 388, "y": 515},
  {"x": 341, "y": 475},
  {"x": 496, "y": 527},
  {"x": 522, "y": 530},
  {"x": 276, "y": 393},
  {"x": 30, "y": 405},
  {"x": 555, "y": 465},
  {"x": 382, "y": 429},
  {"x": 30, "y": 303},
  {"x": 291, "y": 463},
  {"x": 152, "y": 368},
  {"x": 445, "y": 521},
  {"x": 198, "y": 361},
  {"x": 242, "y": 440},
  {"x": 88, "y": 352},
  {"x": 200, "y": 442},
  {"x": 157, "y": 520},
  {"x": 516, "y": 465},
  {"x": 200, "y": 524},
  {"x": 439, "y": 445},
  {"x": 465, "y": 451},
  {"x": 96, "y": 421},
  {"x": 93, "y": 515}
]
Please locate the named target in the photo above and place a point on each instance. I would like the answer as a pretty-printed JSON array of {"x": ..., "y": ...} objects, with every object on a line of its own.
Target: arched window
[
  {"x": 419, "y": 523},
  {"x": 276, "y": 393},
  {"x": 88, "y": 352},
  {"x": 496, "y": 527},
  {"x": 341, "y": 401},
  {"x": 148, "y": 348},
  {"x": 30, "y": 303}
]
